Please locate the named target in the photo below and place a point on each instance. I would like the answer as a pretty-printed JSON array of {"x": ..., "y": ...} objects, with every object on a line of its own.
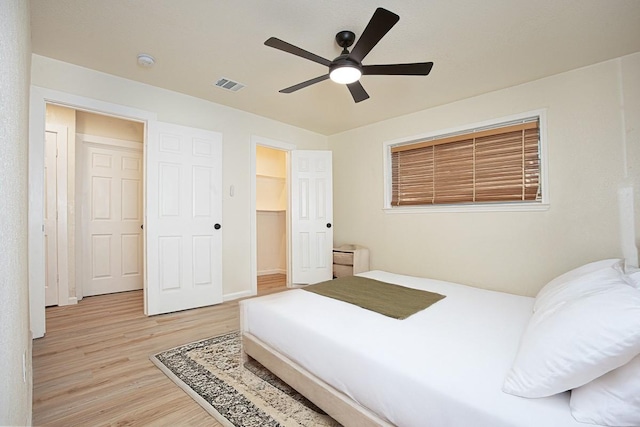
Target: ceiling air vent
[{"x": 227, "y": 84}]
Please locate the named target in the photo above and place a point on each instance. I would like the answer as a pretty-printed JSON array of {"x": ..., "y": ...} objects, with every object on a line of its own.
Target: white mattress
[{"x": 443, "y": 366}]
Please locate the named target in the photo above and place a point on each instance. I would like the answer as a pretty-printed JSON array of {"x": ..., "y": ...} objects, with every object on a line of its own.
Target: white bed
[{"x": 443, "y": 366}]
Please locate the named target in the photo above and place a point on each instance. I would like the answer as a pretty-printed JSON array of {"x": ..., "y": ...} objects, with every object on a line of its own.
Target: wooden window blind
[{"x": 501, "y": 164}]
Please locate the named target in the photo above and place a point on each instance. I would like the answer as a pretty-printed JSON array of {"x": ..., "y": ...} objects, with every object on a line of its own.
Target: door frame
[
  {"x": 39, "y": 97},
  {"x": 287, "y": 148}
]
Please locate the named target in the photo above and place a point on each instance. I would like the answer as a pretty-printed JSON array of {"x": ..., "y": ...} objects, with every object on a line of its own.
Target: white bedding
[{"x": 443, "y": 366}]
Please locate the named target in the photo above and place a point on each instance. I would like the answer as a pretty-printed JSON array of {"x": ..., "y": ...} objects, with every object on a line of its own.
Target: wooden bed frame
[{"x": 335, "y": 403}]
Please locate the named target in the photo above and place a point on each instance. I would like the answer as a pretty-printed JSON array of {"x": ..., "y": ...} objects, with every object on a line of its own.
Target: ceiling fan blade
[
  {"x": 288, "y": 47},
  {"x": 357, "y": 91},
  {"x": 304, "y": 84},
  {"x": 379, "y": 25},
  {"x": 417, "y": 69}
]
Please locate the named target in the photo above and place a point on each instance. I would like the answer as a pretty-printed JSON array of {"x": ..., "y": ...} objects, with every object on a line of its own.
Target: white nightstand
[{"x": 349, "y": 260}]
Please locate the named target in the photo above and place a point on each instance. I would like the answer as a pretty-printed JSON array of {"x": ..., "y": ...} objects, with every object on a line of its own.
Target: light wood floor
[{"x": 92, "y": 367}]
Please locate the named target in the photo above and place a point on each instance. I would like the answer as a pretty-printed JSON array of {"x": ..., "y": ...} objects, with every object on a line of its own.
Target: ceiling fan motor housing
[
  {"x": 351, "y": 69},
  {"x": 345, "y": 38}
]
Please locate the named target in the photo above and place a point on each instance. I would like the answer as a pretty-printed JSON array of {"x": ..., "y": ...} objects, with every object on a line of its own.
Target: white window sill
[{"x": 488, "y": 207}]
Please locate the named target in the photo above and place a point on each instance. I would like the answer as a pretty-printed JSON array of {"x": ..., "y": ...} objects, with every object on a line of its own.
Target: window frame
[{"x": 541, "y": 205}]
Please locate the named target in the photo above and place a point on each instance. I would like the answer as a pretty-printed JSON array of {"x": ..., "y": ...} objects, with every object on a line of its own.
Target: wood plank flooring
[{"x": 92, "y": 367}]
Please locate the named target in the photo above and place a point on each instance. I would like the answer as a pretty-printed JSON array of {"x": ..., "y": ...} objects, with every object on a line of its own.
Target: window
[{"x": 496, "y": 164}]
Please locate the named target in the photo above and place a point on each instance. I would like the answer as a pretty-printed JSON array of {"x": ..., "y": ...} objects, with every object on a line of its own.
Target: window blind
[{"x": 501, "y": 164}]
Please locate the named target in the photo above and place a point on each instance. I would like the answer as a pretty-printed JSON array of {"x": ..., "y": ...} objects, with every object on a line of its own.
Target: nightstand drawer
[
  {"x": 342, "y": 270},
  {"x": 343, "y": 258},
  {"x": 349, "y": 260}
]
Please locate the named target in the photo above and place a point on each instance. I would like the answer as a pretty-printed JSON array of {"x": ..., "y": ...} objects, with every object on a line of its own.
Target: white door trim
[
  {"x": 278, "y": 145},
  {"x": 37, "y": 120},
  {"x": 63, "y": 229}
]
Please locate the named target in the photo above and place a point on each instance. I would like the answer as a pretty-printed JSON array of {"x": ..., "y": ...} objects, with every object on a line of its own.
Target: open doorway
[
  {"x": 93, "y": 204},
  {"x": 308, "y": 216},
  {"x": 39, "y": 99},
  {"x": 271, "y": 218}
]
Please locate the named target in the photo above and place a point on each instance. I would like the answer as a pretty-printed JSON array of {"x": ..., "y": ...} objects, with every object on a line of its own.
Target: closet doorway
[
  {"x": 99, "y": 239},
  {"x": 271, "y": 218}
]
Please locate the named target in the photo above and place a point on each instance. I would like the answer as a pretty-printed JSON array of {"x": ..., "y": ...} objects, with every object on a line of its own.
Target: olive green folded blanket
[{"x": 384, "y": 298}]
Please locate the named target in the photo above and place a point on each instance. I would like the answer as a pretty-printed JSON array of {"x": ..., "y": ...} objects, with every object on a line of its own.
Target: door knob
[
  {"x": 217, "y": 226},
  {"x": 328, "y": 225},
  {"x": 141, "y": 226}
]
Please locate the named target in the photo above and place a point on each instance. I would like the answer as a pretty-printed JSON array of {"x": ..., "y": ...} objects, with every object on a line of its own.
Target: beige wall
[
  {"x": 109, "y": 127},
  {"x": 516, "y": 252},
  {"x": 15, "y": 49},
  {"x": 271, "y": 205},
  {"x": 271, "y": 162},
  {"x": 236, "y": 126},
  {"x": 629, "y": 67},
  {"x": 271, "y": 172},
  {"x": 271, "y": 242}
]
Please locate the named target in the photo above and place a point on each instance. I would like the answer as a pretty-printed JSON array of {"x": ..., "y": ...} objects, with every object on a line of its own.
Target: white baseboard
[
  {"x": 73, "y": 300},
  {"x": 237, "y": 295},
  {"x": 272, "y": 271}
]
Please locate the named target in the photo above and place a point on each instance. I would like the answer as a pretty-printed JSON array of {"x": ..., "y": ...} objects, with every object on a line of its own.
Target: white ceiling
[{"x": 477, "y": 46}]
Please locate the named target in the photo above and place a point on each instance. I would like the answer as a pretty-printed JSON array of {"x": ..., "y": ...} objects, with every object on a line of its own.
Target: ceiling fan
[{"x": 347, "y": 68}]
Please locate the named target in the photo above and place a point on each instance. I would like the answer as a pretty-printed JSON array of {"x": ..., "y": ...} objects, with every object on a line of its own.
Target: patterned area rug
[{"x": 236, "y": 394}]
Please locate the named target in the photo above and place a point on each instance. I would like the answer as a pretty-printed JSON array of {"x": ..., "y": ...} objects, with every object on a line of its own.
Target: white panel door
[
  {"x": 113, "y": 207},
  {"x": 184, "y": 218},
  {"x": 311, "y": 216},
  {"x": 50, "y": 218}
]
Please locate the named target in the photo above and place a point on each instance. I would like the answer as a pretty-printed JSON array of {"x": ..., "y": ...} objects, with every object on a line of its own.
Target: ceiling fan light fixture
[{"x": 345, "y": 74}]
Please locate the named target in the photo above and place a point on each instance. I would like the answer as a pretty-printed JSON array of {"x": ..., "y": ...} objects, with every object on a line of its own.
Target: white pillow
[
  {"x": 548, "y": 294},
  {"x": 630, "y": 273},
  {"x": 611, "y": 400},
  {"x": 574, "y": 341},
  {"x": 634, "y": 279}
]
